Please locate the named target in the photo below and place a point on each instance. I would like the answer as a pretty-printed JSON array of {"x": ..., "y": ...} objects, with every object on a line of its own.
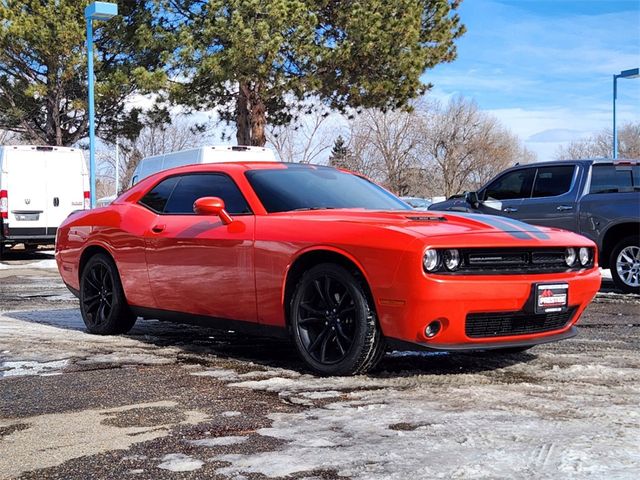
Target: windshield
[{"x": 302, "y": 187}]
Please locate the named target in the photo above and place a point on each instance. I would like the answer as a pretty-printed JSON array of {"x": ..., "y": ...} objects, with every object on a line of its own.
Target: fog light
[
  {"x": 432, "y": 329},
  {"x": 570, "y": 256},
  {"x": 430, "y": 260},
  {"x": 584, "y": 256},
  {"x": 451, "y": 259}
]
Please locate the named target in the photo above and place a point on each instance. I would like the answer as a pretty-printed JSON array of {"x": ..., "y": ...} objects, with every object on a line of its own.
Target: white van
[
  {"x": 216, "y": 154},
  {"x": 39, "y": 188}
]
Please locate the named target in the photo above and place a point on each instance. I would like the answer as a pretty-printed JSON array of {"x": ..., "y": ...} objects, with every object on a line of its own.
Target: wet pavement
[{"x": 176, "y": 401}]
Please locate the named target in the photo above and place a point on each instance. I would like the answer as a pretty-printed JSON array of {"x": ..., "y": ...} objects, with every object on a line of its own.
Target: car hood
[{"x": 428, "y": 223}]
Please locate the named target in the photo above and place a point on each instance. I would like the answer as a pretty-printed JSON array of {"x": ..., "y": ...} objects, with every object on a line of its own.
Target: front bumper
[{"x": 405, "y": 310}]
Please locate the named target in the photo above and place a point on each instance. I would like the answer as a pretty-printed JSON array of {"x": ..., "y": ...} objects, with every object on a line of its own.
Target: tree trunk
[
  {"x": 250, "y": 116},
  {"x": 243, "y": 120}
]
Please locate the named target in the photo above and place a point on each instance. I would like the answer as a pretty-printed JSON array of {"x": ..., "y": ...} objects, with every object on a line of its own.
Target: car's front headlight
[
  {"x": 570, "y": 256},
  {"x": 451, "y": 259},
  {"x": 584, "y": 256},
  {"x": 430, "y": 260}
]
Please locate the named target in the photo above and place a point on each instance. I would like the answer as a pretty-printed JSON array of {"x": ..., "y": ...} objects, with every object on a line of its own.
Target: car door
[
  {"x": 553, "y": 198},
  {"x": 504, "y": 195},
  {"x": 196, "y": 263}
]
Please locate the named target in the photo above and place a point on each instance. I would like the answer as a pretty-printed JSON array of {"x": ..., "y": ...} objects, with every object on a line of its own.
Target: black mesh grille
[
  {"x": 480, "y": 325},
  {"x": 514, "y": 261}
]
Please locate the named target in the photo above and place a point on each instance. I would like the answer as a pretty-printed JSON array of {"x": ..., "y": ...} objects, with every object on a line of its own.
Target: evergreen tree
[
  {"x": 257, "y": 61},
  {"x": 43, "y": 68},
  {"x": 339, "y": 154}
]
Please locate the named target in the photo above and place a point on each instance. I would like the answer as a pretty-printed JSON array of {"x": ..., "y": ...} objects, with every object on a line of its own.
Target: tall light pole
[
  {"x": 94, "y": 11},
  {"x": 632, "y": 73}
]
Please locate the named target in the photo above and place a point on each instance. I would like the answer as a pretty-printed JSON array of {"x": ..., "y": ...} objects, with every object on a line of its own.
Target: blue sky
[{"x": 544, "y": 67}]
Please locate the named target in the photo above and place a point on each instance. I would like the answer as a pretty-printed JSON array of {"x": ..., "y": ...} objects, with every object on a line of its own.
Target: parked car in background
[
  {"x": 211, "y": 154},
  {"x": 324, "y": 257},
  {"x": 599, "y": 199},
  {"x": 39, "y": 188},
  {"x": 417, "y": 203}
]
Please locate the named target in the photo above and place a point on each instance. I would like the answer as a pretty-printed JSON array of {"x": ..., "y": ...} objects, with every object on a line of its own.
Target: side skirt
[{"x": 249, "y": 328}]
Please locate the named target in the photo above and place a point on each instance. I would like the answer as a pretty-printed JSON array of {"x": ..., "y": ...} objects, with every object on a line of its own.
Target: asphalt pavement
[{"x": 177, "y": 401}]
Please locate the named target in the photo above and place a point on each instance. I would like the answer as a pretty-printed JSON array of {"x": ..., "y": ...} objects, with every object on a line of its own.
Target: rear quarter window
[{"x": 613, "y": 179}]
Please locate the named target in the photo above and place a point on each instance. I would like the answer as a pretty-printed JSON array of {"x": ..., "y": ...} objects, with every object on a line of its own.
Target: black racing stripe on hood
[
  {"x": 496, "y": 223},
  {"x": 530, "y": 228}
]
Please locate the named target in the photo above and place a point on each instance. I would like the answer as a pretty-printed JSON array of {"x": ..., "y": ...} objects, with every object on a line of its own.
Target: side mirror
[
  {"x": 472, "y": 199},
  {"x": 212, "y": 206}
]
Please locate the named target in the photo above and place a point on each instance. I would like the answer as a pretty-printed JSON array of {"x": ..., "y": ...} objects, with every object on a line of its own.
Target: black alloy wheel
[
  {"x": 102, "y": 301},
  {"x": 334, "y": 324}
]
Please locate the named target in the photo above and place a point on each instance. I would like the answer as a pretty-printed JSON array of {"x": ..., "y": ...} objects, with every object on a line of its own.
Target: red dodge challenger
[{"x": 334, "y": 261}]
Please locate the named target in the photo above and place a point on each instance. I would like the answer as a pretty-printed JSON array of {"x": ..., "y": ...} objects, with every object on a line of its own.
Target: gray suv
[{"x": 599, "y": 199}]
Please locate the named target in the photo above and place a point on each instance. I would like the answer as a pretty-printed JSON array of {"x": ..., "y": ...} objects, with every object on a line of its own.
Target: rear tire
[
  {"x": 624, "y": 263},
  {"x": 333, "y": 322},
  {"x": 102, "y": 302}
]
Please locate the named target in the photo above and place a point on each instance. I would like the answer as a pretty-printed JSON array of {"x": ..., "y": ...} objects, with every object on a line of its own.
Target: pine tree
[
  {"x": 340, "y": 154},
  {"x": 256, "y": 61},
  {"x": 43, "y": 68}
]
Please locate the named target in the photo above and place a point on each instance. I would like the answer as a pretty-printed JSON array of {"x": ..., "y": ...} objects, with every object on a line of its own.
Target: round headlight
[
  {"x": 451, "y": 259},
  {"x": 584, "y": 256},
  {"x": 430, "y": 260},
  {"x": 570, "y": 256}
]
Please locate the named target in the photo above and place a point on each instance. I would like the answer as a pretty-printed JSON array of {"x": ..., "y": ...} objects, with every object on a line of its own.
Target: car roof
[{"x": 584, "y": 161}]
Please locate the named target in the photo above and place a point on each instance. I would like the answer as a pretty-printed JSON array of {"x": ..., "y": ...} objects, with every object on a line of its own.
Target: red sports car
[{"x": 326, "y": 257}]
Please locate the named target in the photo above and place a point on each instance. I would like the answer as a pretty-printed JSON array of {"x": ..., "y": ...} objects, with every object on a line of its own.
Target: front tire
[
  {"x": 102, "y": 302},
  {"x": 624, "y": 263},
  {"x": 333, "y": 322}
]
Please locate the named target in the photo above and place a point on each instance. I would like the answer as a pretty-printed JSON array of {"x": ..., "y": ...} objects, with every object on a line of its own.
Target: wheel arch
[
  {"x": 314, "y": 256},
  {"x": 613, "y": 235},
  {"x": 89, "y": 252}
]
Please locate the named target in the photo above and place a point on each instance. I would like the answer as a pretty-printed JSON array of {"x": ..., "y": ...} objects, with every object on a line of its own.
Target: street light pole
[
  {"x": 632, "y": 73},
  {"x": 94, "y": 11}
]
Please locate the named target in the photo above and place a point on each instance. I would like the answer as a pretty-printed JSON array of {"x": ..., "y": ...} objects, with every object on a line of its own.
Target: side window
[
  {"x": 516, "y": 184},
  {"x": 192, "y": 187},
  {"x": 553, "y": 181},
  {"x": 156, "y": 199},
  {"x": 609, "y": 179}
]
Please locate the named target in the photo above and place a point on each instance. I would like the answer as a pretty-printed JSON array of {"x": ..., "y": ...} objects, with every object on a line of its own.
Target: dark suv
[{"x": 599, "y": 199}]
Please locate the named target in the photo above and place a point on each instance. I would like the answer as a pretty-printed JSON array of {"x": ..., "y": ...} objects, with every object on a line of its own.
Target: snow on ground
[
  {"x": 178, "y": 462},
  {"x": 559, "y": 412},
  {"x": 548, "y": 417}
]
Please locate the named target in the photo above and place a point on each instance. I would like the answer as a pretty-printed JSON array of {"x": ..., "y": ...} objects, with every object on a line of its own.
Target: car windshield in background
[{"x": 317, "y": 188}]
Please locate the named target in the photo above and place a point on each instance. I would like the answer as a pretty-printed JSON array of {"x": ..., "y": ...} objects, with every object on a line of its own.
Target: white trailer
[
  {"x": 211, "y": 154},
  {"x": 39, "y": 188}
]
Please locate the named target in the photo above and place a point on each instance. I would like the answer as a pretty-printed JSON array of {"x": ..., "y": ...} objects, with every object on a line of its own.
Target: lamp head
[
  {"x": 632, "y": 73},
  {"x": 100, "y": 11}
]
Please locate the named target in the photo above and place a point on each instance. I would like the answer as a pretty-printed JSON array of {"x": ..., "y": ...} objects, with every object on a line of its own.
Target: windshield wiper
[{"x": 312, "y": 208}]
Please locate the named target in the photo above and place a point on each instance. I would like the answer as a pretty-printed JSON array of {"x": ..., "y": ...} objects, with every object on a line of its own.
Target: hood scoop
[{"x": 429, "y": 218}]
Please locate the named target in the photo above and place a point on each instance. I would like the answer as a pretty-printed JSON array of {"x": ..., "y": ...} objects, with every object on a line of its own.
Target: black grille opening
[
  {"x": 499, "y": 324},
  {"x": 483, "y": 261}
]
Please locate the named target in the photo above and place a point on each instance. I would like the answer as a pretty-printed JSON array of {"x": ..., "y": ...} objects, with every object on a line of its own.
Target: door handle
[
  {"x": 158, "y": 228},
  {"x": 564, "y": 208},
  {"x": 56, "y": 202},
  {"x": 509, "y": 209}
]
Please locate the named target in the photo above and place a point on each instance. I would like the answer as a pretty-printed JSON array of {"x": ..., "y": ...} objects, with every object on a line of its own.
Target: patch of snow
[
  {"x": 49, "y": 264},
  {"x": 179, "y": 462},
  {"x": 231, "y": 413},
  {"x": 218, "y": 441},
  {"x": 220, "y": 374},
  {"x": 22, "y": 368}
]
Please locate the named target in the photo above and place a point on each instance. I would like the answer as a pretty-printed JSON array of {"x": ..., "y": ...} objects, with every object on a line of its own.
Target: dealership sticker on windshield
[{"x": 552, "y": 297}]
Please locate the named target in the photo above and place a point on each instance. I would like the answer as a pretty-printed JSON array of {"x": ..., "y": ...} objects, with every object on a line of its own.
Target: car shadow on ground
[
  {"x": 21, "y": 255},
  {"x": 205, "y": 346}
]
